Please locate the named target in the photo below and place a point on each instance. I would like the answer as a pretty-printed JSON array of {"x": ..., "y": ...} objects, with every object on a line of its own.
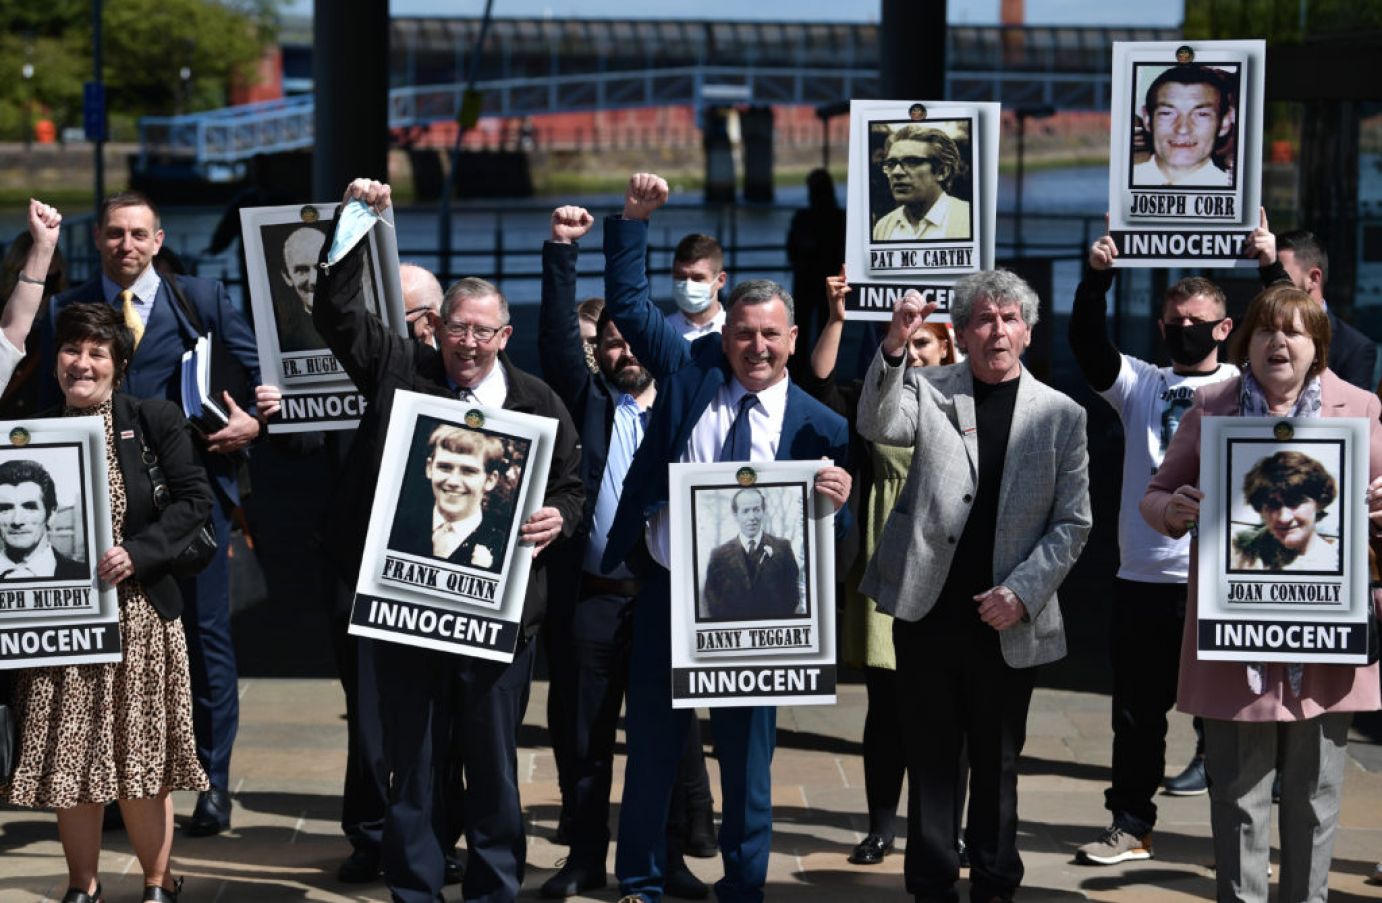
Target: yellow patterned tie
[{"x": 132, "y": 319}]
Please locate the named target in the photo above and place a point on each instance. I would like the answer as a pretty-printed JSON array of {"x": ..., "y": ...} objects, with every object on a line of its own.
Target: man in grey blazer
[{"x": 992, "y": 517}]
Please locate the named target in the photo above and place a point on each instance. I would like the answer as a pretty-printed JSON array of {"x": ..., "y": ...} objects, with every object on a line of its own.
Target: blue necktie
[{"x": 739, "y": 440}]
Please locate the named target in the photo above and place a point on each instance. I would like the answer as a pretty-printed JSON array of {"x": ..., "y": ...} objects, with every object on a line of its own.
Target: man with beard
[
  {"x": 921, "y": 163},
  {"x": 590, "y": 628},
  {"x": 1149, "y": 591}
]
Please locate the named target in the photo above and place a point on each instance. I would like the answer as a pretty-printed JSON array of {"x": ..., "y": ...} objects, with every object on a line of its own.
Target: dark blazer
[
  {"x": 1352, "y": 355},
  {"x": 588, "y": 397},
  {"x": 155, "y": 370},
  {"x": 688, "y": 377},
  {"x": 412, "y": 533},
  {"x": 152, "y": 539},
  {"x": 767, "y": 588},
  {"x": 64, "y": 568},
  {"x": 381, "y": 363}
]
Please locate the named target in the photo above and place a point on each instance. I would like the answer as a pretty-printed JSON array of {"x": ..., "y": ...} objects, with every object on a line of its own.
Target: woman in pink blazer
[{"x": 1257, "y": 715}]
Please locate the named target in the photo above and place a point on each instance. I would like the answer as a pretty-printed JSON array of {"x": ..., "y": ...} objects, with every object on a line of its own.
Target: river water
[{"x": 503, "y": 240}]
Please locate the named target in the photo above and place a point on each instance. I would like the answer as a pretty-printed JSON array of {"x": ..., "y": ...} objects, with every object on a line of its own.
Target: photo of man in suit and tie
[
  {"x": 28, "y": 499},
  {"x": 755, "y": 575},
  {"x": 463, "y": 519}
]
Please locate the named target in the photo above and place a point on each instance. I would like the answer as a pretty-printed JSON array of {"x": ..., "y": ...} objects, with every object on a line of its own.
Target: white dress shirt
[
  {"x": 493, "y": 388},
  {"x": 692, "y": 331},
  {"x": 708, "y": 437},
  {"x": 448, "y": 535},
  {"x": 144, "y": 288}
]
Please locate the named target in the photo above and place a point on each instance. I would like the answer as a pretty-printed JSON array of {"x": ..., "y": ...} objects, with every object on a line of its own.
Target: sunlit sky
[{"x": 961, "y": 12}]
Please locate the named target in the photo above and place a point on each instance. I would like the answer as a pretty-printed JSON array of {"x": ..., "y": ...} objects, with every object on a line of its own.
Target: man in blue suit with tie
[
  {"x": 721, "y": 398},
  {"x": 128, "y": 235}
]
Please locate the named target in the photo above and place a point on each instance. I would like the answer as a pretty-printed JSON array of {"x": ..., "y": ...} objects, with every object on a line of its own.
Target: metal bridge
[{"x": 532, "y": 67}]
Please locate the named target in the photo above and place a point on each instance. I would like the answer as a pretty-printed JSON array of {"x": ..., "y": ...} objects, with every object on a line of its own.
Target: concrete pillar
[
  {"x": 350, "y": 75},
  {"x": 912, "y": 47}
]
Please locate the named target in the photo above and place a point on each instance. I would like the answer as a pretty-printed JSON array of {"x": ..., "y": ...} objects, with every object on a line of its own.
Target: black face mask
[{"x": 1191, "y": 344}]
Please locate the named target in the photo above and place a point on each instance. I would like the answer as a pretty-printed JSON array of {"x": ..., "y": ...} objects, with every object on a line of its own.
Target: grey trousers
[{"x": 1240, "y": 758}]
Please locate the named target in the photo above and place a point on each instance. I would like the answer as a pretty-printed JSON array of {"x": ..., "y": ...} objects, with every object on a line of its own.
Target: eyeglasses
[
  {"x": 481, "y": 334},
  {"x": 909, "y": 162}
]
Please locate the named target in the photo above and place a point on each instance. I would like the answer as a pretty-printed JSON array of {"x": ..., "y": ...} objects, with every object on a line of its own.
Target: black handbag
[
  {"x": 9, "y": 733},
  {"x": 198, "y": 554}
]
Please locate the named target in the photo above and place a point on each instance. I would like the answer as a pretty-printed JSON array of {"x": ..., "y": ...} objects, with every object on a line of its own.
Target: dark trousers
[
  {"x": 588, "y": 647},
  {"x": 433, "y": 705},
  {"x": 1146, "y": 634},
  {"x": 744, "y": 743},
  {"x": 364, "y": 795},
  {"x": 211, "y": 655},
  {"x": 963, "y": 697},
  {"x": 885, "y": 760}
]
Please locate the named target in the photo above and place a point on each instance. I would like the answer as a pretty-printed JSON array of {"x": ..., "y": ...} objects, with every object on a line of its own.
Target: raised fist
[
  {"x": 647, "y": 192},
  {"x": 569, "y": 223}
]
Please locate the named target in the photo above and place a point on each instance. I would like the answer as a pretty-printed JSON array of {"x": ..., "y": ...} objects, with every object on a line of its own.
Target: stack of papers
[{"x": 203, "y": 410}]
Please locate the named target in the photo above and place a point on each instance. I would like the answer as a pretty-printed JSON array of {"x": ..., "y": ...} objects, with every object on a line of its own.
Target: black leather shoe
[
  {"x": 455, "y": 868},
  {"x": 212, "y": 814},
  {"x": 360, "y": 867},
  {"x": 573, "y": 878},
  {"x": 1191, "y": 782},
  {"x": 680, "y": 883},
  {"x": 74, "y": 895},
  {"x": 157, "y": 894},
  {"x": 699, "y": 840},
  {"x": 871, "y": 850}
]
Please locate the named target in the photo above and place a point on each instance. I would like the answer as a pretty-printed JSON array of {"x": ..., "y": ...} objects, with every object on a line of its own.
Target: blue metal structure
[{"x": 532, "y": 67}]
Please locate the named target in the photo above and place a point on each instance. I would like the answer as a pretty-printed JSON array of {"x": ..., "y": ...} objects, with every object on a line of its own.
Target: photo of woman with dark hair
[{"x": 1290, "y": 491}]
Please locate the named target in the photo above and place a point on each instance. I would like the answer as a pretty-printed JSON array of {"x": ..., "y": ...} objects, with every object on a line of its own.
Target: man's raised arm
[
  {"x": 357, "y": 337},
  {"x": 628, "y": 297},
  {"x": 559, "y": 343}
]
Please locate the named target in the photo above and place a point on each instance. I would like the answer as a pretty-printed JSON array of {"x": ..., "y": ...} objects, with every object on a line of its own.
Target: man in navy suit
[
  {"x": 703, "y": 389},
  {"x": 128, "y": 236}
]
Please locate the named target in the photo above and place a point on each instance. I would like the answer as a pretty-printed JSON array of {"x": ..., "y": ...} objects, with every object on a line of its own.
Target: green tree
[{"x": 148, "y": 43}]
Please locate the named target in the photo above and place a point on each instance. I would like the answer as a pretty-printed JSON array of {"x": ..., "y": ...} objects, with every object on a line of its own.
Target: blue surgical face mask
[
  {"x": 353, "y": 223},
  {"x": 692, "y": 297}
]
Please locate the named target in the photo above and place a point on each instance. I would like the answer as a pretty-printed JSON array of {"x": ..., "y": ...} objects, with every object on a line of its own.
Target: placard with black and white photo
[
  {"x": 922, "y": 184},
  {"x": 752, "y": 585},
  {"x": 1185, "y": 150},
  {"x": 1283, "y": 539},
  {"x": 282, "y": 245},
  {"x": 54, "y": 525},
  {"x": 443, "y": 567}
]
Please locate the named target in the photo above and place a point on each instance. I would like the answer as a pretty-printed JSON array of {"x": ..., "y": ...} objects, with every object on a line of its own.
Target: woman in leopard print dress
[{"x": 92, "y": 734}]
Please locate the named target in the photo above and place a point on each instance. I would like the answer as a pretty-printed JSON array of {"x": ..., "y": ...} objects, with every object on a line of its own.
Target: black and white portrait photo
[
  {"x": 457, "y": 500},
  {"x": 290, "y": 258},
  {"x": 921, "y": 183},
  {"x": 1184, "y": 125},
  {"x": 42, "y": 515},
  {"x": 1287, "y": 513},
  {"x": 750, "y": 553}
]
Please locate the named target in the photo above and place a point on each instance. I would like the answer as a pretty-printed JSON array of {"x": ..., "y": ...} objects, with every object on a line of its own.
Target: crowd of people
[{"x": 964, "y": 477}]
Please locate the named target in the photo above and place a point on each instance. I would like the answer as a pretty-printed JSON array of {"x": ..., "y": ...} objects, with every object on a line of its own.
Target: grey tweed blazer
[{"x": 1043, "y": 504}]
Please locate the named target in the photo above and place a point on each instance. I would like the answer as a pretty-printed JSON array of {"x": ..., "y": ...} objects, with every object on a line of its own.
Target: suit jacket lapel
[
  {"x": 793, "y": 415},
  {"x": 964, "y": 416},
  {"x": 1018, "y": 433}
]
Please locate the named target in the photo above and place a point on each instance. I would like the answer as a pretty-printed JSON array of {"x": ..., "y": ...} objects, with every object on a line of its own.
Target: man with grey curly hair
[
  {"x": 968, "y": 565},
  {"x": 920, "y": 164}
]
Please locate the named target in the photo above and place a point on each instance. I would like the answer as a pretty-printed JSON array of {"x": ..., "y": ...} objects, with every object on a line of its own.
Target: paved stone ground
[{"x": 286, "y": 844}]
